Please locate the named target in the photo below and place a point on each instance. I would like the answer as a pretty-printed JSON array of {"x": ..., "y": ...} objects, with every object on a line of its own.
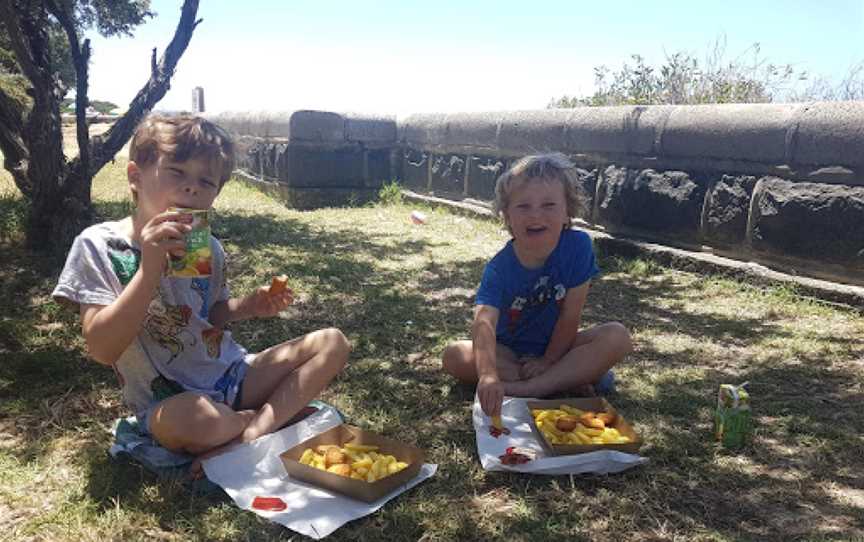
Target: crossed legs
[
  {"x": 278, "y": 384},
  {"x": 594, "y": 351}
]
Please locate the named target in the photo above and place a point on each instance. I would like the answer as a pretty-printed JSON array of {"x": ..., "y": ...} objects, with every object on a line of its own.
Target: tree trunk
[
  {"x": 55, "y": 220},
  {"x": 32, "y": 141}
]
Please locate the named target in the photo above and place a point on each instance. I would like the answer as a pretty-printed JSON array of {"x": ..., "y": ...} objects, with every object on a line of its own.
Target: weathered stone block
[
  {"x": 448, "y": 173},
  {"x": 370, "y": 129},
  {"x": 808, "y": 220},
  {"x": 415, "y": 166},
  {"x": 273, "y": 161},
  {"x": 747, "y": 132},
  {"x": 532, "y": 132},
  {"x": 378, "y": 168},
  {"x": 482, "y": 174},
  {"x": 830, "y": 134},
  {"x": 669, "y": 202},
  {"x": 321, "y": 126},
  {"x": 586, "y": 182},
  {"x": 727, "y": 206},
  {"x": 247, "y": 156},
  {"x": 308, "y": 166},
  {"x": 469, "y": 130},
  {"x": 616, "y": 130}
]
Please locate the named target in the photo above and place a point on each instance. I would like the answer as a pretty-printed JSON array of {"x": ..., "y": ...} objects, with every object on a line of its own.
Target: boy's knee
[
  {"x": 447, "y": 356},
  {"x": 184, "y": 421},
  {"x": 453, "y": 357},
  {"x": 619, "y": 336},
  {"x": 336, "y": 341}
]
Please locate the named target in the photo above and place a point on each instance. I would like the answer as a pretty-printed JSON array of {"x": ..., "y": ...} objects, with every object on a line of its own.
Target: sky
[{"x": 397, "y": 57}]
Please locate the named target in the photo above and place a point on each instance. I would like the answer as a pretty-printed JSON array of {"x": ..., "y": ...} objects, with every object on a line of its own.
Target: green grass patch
[{"x": 400, "y": 292}]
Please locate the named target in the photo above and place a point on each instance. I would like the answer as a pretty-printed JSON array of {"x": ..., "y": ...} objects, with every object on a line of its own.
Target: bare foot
[
  {"x": 261, "y": 424},
  {"x": 196, "y": 469}
]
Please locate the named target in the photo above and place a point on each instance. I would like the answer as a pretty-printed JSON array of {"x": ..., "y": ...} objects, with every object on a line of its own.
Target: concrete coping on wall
[
  {"x": 310, "y": 126},
  {"x": 819, "y": 134},
  {"x": 700, "y": 262}
]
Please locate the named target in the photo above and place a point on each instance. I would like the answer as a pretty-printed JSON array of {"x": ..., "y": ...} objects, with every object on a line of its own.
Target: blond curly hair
[{"x": 549, "y": 167}]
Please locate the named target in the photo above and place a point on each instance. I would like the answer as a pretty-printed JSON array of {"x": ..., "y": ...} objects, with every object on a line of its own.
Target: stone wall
[
  {"x": 315, "y": 158},
  {"x": 778, "y": 184},
  {"x": 781, "y": 184}
]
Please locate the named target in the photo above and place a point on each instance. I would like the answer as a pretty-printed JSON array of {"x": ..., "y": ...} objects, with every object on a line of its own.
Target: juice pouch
[
  {"x": 197, "y": 261},
  {"x": 733, "y": 423}
]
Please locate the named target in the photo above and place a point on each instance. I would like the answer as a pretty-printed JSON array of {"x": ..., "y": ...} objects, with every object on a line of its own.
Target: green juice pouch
[
  {"x": 733, "y": 423},
  {"x": 197, "y": 261}
]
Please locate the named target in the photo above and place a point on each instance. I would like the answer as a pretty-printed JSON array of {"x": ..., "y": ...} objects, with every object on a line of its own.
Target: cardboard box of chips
[
  {"x": 363, "y": 448},
  {"x": 623, "y": 438}
]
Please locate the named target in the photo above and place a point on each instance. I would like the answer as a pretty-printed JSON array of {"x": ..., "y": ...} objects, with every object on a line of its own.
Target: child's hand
[
  {"x": 164, "y": 233},
  {"x": 531, "y": 367},
  {"x": 491, "y": 394},
  {"x": 263, "y": 304}
]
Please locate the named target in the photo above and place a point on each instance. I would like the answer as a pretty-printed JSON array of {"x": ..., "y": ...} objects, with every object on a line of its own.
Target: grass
[{"x": 401, "y": 292}]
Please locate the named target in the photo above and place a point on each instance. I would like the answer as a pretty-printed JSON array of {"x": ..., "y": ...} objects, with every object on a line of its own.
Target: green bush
[
  {"x": 390, "y": 193},
  {"x": 685, "y": 79}
]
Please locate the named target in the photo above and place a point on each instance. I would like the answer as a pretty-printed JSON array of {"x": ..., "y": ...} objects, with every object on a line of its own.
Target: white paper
[
  {"x": 516, "y": 417},
  {"x": 255, "y": 469}
]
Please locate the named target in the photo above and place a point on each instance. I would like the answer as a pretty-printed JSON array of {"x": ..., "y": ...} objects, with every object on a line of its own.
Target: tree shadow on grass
[
  {"x": 806, "y": 395},
  {"x": 399, "y": 318}
]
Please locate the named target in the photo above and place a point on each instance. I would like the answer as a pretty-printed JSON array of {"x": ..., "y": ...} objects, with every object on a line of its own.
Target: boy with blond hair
[
  {"x": 526, "y": 339},
  {"x": 190, "y": 385}
]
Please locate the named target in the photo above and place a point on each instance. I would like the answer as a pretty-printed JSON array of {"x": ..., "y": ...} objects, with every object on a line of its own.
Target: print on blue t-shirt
[
  {"x": 529, "y": 300},
  {"x": 202, "y": 287}
]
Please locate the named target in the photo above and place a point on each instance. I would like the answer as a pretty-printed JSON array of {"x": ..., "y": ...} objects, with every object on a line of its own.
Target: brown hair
[
  {"x": 182, "y": 137},
  {"x": 548, "y": 167}
]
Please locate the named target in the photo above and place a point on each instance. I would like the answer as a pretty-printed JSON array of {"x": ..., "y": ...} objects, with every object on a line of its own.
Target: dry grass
[{"x": 400, "y": 292}]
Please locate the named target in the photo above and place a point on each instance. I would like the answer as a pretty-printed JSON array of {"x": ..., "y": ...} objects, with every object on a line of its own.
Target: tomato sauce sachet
[{"x": 270, "y": 504}]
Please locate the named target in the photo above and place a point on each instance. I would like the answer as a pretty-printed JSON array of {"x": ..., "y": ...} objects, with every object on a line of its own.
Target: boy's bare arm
[
  {"x": 567, "y": 326},
  {"x": 223, "y": 313},
  {"x": 109, "y": 329},
  {"x": 484, "y": 341},
  {"x": 490, "y": 391},
  {"x": 259, "y": 304}
]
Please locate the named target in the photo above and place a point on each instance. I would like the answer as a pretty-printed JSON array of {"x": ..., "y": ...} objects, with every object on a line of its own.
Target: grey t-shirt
[{"x": 176, "y": 349}]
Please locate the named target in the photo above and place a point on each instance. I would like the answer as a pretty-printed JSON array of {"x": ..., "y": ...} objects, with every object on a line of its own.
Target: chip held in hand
[
  {"x": 497, "y": 429},
  {"x": 278, "y": 284}
]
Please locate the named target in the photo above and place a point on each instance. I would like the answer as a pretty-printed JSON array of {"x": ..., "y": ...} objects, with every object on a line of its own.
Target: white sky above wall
[{"x": 396, "y": 57}]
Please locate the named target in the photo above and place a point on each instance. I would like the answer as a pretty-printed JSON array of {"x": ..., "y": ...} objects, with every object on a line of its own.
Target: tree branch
[
  {"x": 104, "y": 149},
  {"x": 20, "y": 46},
  {"x": 10, "y": 113},
  {"x": 15, "y": 155},
  {"x": 40, "y": 134},
  {"x": 81, "y": 59}
]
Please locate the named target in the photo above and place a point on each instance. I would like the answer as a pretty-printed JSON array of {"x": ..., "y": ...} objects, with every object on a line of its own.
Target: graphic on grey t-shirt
[
  {"x": 177, "y": 348},
  {"x": 167, "y": 326}
]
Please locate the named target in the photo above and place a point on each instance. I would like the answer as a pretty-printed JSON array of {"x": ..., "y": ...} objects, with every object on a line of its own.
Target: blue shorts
[{"x": 227, "y": 390}]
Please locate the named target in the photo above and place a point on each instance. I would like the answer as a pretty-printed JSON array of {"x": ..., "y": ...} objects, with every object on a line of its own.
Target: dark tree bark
[{"x": 58, "y": 189}]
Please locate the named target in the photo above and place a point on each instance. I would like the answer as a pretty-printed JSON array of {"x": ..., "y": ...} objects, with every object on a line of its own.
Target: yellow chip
[{"x": 361, "y": 447}]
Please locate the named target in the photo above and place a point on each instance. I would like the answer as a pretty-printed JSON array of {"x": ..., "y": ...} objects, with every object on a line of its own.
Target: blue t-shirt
[{"x": 529, "y": 300}]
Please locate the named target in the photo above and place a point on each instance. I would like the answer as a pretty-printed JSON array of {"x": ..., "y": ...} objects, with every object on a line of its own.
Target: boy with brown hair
[
  {"x": 526, "y": 339},
  {"x": 187, "y": 381}
]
